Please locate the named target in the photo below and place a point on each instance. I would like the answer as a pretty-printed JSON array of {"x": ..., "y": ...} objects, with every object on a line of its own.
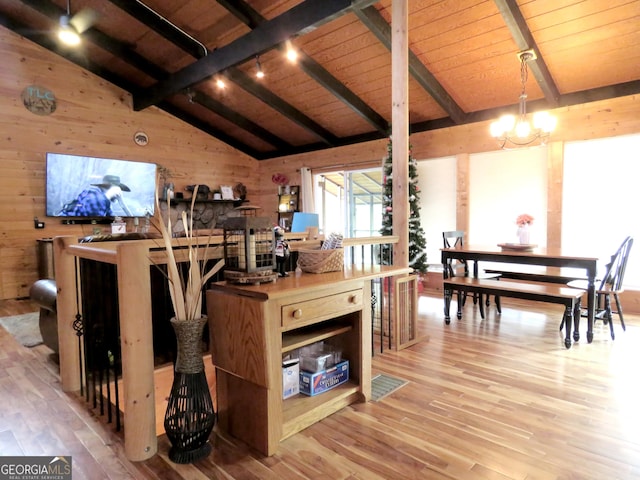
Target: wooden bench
[
  {"x": 532, "y": 273},
  {"x": 569, "y": 297}
]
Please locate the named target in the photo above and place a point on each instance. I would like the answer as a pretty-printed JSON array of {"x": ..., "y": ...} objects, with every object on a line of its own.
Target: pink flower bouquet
[{"x": 524, "y": 219}]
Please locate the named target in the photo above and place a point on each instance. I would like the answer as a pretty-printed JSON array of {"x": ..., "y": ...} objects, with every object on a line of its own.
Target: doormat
[
  {"x": 383, "y": 385},
  {"x": 24, "y": 328}
]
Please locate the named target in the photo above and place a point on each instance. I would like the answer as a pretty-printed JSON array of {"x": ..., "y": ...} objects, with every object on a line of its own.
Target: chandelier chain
[{"x": 524, "y": 74}]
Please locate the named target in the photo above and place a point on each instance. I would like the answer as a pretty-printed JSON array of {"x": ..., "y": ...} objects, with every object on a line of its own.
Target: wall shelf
[
  {"x": 288, "y": 204},
  {"x": 176, "y": 201}
]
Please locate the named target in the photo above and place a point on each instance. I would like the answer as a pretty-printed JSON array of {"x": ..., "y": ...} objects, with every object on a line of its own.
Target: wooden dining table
[{"x": 540, "y": 256}]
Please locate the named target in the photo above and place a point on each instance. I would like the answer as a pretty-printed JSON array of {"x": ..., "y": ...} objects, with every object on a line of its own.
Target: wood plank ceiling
[{"x": 463, "y": 61}]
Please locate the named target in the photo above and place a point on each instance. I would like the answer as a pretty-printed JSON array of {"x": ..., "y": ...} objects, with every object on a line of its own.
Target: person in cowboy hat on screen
[{"x": 96, "y": 200}]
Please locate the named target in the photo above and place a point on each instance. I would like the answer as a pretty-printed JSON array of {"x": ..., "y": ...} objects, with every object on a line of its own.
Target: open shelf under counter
[
  {"x": 301, "y": 411},
  {"x": 300, "y": 338}
]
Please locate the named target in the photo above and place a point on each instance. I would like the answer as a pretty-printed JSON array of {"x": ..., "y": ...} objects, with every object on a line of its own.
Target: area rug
[
  {"x": 24, "y": 328},
  {"x": 383, "y": 385}
]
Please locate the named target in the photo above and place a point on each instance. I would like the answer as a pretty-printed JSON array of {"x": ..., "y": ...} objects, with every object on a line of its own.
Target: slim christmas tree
[{"x": 417, "y": 241}]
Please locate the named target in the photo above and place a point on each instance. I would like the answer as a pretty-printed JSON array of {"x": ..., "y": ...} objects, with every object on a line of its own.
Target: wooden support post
[
  {"x": 462, "y": 194},
  {"x": 66, "y": 310},
  {"x": 136, "y": 340},
  {"x": 400, "y": 129},
  {"x": 555, "y": 170}
]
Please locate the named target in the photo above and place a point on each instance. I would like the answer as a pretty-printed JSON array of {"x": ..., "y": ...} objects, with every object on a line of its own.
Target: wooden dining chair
[
  {"x": 460, "y": 267},
  {"x": 610, "y": 285}
]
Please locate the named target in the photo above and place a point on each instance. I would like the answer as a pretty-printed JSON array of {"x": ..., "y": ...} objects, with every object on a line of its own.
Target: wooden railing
[{"x": 133, "y": 261}]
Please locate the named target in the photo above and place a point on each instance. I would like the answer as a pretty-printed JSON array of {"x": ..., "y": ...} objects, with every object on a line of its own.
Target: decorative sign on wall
[
  {"x": 39, "y": 100},
  {"x": 141, "y": 138}
]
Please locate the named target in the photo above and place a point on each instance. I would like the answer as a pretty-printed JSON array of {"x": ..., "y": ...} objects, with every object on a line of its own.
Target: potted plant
[{"x": 190, "y": 417}]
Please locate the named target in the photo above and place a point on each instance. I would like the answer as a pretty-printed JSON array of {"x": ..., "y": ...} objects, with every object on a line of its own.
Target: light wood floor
[{"x": 494, "y": 399}]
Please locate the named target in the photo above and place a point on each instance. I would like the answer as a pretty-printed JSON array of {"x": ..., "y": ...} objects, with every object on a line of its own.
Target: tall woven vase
[{"x": 190, "y": 417}]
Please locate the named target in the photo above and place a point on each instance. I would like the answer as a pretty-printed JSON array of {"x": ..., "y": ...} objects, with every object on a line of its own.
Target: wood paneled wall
[{"x": 93, "y": 118}]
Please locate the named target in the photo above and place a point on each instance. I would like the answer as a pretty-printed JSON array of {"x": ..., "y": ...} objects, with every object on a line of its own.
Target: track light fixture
[
  {"x": 292, "y": 54},
  {"x": 259, "y": 71}
]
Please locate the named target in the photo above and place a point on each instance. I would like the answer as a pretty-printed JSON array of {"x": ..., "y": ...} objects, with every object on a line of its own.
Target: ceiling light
[
  {"x": 220, "y": 83},
  {"x": 67, "y": 33},
  {"x": 259, "y": 71},
  {"x": 292, "y": 54},
  {"x": 519, "y": 131}
]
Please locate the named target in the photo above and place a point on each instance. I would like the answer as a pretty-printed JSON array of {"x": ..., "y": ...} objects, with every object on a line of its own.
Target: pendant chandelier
[{"x": 510, "y": 130}]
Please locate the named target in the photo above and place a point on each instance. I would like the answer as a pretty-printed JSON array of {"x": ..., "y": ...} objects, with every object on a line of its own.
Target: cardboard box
[
  {"x": 315, "y": 383},
  {"x": 317, "y": 362},
  {"x": 290, "y": 378}
]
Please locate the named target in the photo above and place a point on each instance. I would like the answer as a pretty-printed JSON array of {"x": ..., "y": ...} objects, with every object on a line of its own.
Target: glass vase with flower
[{"x": 524, "y": 235}]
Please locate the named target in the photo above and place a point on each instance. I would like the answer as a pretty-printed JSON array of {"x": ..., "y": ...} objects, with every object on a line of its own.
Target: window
[
  {"x": 600, "y": 198},
  {"x": 350, "y": 202}
]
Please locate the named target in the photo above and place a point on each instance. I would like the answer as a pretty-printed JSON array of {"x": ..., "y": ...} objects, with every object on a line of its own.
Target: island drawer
[{"x": 299, "y": 314}]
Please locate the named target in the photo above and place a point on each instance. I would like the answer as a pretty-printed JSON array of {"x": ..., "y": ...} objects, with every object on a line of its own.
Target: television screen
[{"x": 80, "y": 186}]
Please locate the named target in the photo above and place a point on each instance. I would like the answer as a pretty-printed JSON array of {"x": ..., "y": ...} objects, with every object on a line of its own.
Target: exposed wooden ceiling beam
[
  {"x": 524, "y": 40},
  {"x": 207, "y": 128},
  {"x": 162, "y": 26},
  {"x": 243, "y": 12},
  {"x": 304, "y": 16},
  {"x": 272, "y": 100},
  {"x": 250, "y": 17},
  {"x": 375, "y": 22},
  {"x": 240, "y": 120},
  {"x": 196, "y": 49},
  {"x": 340, "y": 91}
]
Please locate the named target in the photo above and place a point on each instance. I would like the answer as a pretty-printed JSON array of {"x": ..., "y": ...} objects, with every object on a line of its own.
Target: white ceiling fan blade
[{"x": 84, "y": 19}]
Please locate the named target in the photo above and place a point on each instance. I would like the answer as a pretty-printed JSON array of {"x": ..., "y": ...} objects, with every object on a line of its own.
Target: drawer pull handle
[
  {"x": 297, "y": 313},
  {"x": 353, "y": 299}
]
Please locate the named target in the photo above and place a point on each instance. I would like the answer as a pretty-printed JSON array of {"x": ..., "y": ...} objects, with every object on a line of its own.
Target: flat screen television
[{"x": 90, "y": 187}]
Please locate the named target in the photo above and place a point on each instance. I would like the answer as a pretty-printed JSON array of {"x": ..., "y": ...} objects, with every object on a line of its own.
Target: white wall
[
  {"x": 503, "y": 185},
  {"x": 437, "y": 183}
]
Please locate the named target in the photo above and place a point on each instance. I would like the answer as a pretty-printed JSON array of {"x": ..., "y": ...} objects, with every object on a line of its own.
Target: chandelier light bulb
[
  {"x": 523, "y": 129},
  {"x": 507, "y": 122},
  {"x": 496, "y": 129}
]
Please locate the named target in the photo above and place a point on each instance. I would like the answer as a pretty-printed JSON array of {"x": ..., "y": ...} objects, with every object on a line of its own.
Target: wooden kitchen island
[{"x": 253, "y": 326}]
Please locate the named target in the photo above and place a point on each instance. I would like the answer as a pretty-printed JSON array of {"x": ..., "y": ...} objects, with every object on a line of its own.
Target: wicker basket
[{"x": 320, "y": 261}]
